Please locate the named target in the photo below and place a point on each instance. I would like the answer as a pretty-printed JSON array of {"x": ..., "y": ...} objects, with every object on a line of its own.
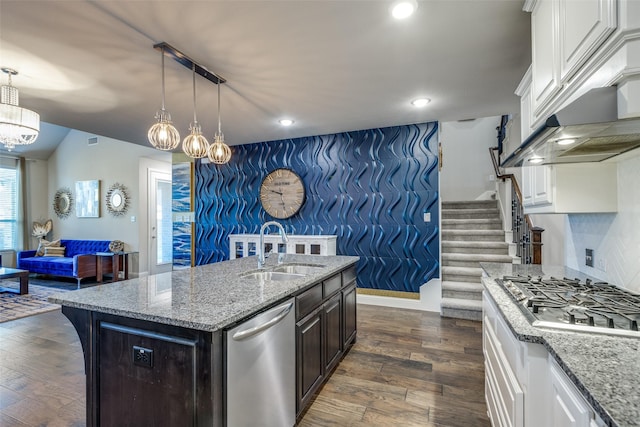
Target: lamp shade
[
  {"x": 195, "y": 144},
  {"x": 18, "y": 126},
  {"x": 219, "y": 152},
  {"x": 163, "y": 135}
]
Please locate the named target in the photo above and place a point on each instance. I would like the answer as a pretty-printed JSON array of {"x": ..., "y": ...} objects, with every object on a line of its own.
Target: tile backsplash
[{"x": 614, "y": 238}]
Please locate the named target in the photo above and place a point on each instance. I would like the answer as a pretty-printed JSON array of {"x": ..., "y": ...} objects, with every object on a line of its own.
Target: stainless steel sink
[
  {"x": 273, "y": 275},
  {"x": 299, "y": 269}
]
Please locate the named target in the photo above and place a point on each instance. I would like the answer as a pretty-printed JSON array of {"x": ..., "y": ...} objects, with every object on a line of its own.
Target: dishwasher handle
[{"x": 248, "y": 333}]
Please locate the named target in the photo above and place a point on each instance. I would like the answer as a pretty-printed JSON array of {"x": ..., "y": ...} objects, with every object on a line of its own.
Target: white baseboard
[{"x": 430, "y": 297}]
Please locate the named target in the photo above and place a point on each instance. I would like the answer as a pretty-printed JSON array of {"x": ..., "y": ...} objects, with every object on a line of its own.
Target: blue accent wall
[{"x": 371, "y": 188}]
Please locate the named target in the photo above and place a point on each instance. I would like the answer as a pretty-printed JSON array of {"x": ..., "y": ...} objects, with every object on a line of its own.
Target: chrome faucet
[{"x": 261, "y": 255}]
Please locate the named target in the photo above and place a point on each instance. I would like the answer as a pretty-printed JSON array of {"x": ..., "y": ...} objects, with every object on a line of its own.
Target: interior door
[{"x": 160, "y": 224}]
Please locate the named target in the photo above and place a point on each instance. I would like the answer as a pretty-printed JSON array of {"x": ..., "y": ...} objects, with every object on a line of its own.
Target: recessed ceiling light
[
  {"x": 420, "y": 102},
  {"x": 536, "y": 160},
  {"x": 567, "y": 141},
  {"x": 403, "y": 8},
  {"x": 286, "y": 122}
]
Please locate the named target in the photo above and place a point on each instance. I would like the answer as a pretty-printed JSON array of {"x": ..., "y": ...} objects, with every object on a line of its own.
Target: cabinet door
[
  {"x": 542, "y": 186},
  {"x": 310, "y": 355},
  {"x": 349, "y": 310},
  {"x": 584, "y": 26},
  {"x": 526, "y": 113},
  {"x": 544, "y": 34},
  {"x": 333, "y": 329},
  {"x": 145, "y": 379},
  {"x": 527, "y": 185},
  {"x": 568, "y": 408}
]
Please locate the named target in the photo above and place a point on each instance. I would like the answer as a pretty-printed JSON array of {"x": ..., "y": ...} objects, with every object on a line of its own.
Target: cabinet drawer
[
  {"x": 332, "y": 285},
  {"x": 349, "y": 275},
  {"x": 308, "y": 300}
]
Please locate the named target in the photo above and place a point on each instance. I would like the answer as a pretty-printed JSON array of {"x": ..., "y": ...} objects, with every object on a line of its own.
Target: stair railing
[{"x": 528, "y": 239}]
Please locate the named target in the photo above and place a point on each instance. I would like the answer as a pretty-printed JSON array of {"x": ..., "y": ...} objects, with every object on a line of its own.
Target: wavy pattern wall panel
[
  {"x": 371, "y": 188},
  {"x": 181, "y": 202}
]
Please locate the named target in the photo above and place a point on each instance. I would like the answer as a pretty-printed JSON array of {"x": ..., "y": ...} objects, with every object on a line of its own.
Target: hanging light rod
[{"x": 183, "y": 59}]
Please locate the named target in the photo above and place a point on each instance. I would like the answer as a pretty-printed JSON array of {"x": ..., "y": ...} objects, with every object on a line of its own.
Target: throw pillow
[
  {"x": 44, "y": 244},
  {"x": 54, "y": 251}
]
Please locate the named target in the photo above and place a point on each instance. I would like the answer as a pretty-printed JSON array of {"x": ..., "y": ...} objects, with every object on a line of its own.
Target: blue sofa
[{"x": 79, "y": 260}]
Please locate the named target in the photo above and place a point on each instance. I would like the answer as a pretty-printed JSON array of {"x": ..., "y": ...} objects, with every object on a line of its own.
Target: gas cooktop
[{"x": 576, "y": 305}]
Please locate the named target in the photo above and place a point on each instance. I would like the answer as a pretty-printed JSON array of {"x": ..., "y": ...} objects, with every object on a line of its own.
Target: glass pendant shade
[
  {"x": 219, "y": 152},
  {"x": 18, "y": 126},
  {"x": 163, "y": 135},
  {"x": 195, "y": 144}
]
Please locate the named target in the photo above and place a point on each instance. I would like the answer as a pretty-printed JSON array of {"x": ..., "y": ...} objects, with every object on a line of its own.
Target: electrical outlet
[
  {"x": 588, "y": 260},
  {"x": 602, "y": 264},
  {"x": 142, "y": 356}
]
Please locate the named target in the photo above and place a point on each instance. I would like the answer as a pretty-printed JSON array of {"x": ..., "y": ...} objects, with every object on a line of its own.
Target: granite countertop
[
  {"x": 606, "y": 369},
  {"x": 208, "y": 297}
]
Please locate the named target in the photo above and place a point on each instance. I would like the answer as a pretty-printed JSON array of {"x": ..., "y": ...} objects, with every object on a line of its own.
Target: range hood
[{"x": 587, "y": 130}]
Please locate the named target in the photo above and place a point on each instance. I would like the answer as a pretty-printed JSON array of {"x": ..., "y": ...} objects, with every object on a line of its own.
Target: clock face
[{"x": 282, "y": 193}]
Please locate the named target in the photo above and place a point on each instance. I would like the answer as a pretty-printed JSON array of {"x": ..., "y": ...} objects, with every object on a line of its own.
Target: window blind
[{"x": 8, "y": 204}]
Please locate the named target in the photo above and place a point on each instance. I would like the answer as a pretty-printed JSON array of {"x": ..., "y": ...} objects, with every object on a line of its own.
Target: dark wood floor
[{"x": 408, "y": 368}]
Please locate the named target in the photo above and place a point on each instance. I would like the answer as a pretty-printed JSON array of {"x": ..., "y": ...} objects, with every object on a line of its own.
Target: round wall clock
[{"x": 282, "y": 193}]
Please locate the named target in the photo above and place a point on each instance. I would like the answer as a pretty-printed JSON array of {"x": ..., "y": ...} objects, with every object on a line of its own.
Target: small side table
[{"x": 116, "y": 258}]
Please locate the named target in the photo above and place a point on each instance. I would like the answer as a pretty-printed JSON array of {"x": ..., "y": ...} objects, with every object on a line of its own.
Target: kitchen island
[
  {"x": 604, "y": 370},
  {"x": 154, "y": 347}
]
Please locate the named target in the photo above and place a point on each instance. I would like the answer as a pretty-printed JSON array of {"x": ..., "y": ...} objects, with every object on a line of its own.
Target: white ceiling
[{"x": 331, "y": 66}]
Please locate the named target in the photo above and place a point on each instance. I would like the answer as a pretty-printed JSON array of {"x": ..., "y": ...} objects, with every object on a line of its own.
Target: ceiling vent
[{"x": 92, "y": 141}]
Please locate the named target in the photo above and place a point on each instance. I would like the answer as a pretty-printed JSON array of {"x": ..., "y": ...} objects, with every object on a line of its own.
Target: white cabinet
[
  {"x": 526, "y": 107},
  {"x": 544, "y": 70},
  {"x": 565, "y": 34},
  {"x": 536, "y": 185},
  {"x": 524, "y": 386},
  {"x": 570, "y": 188},
  {"x": 244, "y": 245},
  {"x": 583, "y": 26},
  {"x": 568, "y": 407}
]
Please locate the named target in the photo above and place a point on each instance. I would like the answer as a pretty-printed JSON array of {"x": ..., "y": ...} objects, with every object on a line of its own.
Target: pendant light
[
  {"x": 18, "y": 126},
  {"x": 219, "y": 152},
  {"x": 195, "y": 145},
  {"x": 163, "y": 135}
]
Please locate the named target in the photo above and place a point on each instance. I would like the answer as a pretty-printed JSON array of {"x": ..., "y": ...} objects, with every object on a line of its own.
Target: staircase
[{"x": 472, "y": 233}]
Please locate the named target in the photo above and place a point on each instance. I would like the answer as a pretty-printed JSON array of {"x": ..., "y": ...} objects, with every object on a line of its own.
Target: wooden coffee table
[{"x": 9, "y": 273}]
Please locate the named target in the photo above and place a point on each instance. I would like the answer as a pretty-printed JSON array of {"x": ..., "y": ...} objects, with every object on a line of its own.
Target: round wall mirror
[
  {"x": 117, "y": 199},
  {"x": 62, "y": 202}
]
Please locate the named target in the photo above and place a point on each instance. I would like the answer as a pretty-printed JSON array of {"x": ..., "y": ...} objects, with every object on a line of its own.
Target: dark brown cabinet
[
  {"x": 349, "y": 310},
  {"x": 309, "y": 360},
  {"x": 333, "y": 327},
  {"x": 325, "y": 328}
]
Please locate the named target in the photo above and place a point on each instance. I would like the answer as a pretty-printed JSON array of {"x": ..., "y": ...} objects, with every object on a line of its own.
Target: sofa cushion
[
  {"x": 44, "y": 244},
  {"x": 82, "y": 247},
  {"x": 54, "y": 251},
  {"x": 57, "y": 266}
]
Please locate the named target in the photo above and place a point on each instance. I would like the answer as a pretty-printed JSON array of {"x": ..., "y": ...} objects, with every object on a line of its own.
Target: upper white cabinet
[
  {"x": 565, "y": 34},
  {"x": 583, "y": 26},
  {"x": 544, "y": 52},
  {"x": 570, "y": 188}
]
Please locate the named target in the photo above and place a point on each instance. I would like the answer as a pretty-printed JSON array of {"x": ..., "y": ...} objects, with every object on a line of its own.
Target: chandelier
[
  {"x": 164, "y": 136},
  {"x": 18, "y": 126}
]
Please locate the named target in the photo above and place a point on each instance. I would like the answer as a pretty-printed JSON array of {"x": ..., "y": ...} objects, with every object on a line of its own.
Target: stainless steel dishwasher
[{"x": 261, "y": 374}]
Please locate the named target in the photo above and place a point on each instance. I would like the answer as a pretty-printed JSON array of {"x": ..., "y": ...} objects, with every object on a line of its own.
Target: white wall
[
  {"x": 466, "y": 165},
  {"x": 109, "y": 161},
  {"x": 615, "y": 238},
  {"x": 553, "y": 237}
]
